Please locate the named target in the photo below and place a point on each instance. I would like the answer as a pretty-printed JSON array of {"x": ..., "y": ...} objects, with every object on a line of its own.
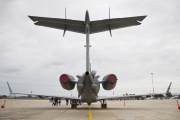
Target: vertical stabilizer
[{"x": 87, "y": 31}]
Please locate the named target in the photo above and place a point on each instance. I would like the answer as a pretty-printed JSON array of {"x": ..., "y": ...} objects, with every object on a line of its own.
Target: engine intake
[
  {"x": 67, "y": 81},
  {"x": 109, "y": 82}
]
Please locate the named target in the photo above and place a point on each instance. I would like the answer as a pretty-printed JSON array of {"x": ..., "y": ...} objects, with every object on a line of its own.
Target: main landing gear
[
  {"x": 75, "y": 103},
  {"x": 103, "y": 104}
]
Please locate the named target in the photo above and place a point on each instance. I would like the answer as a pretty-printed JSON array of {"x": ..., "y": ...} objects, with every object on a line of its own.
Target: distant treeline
[{"x": 3, "y": 96}]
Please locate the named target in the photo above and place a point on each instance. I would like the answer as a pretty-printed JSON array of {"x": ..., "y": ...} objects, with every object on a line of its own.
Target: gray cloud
[{"x": 33, "y": 57}]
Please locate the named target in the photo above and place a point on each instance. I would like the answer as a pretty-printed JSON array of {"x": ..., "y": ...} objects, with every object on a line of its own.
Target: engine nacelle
[
  {"x": 109, "y": 82},
  {"x": 67, "y": 81}
]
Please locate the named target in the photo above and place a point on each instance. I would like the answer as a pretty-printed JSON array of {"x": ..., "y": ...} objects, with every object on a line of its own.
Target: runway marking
[
  {"x": 59, "y": 114},
  {"x": 90, "y": 113}
]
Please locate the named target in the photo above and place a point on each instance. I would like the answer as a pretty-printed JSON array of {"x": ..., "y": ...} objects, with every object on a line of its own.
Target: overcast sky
[{"x": 32, "y": 57}]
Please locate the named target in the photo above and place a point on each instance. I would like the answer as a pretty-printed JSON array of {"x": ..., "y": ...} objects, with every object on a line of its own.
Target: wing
[
  {"x": 111, "y": 97},
  {"x": 142, "y": 96},
  {"x": 63, "y": 24},
  {"x": 48, "y": 96},
  {"x": 111, "y": 24}
]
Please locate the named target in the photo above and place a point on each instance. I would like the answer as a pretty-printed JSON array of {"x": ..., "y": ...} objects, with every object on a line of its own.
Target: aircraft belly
[{"x": 88, "y": 93}]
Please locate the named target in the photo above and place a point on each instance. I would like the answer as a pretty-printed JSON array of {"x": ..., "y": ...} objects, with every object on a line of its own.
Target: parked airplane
[
  {"x": 166, "y": 95},
  {"x": 22, "y": 96},
  {"x": 169, "y": 95},
  {"x": 88, "y": 85}
]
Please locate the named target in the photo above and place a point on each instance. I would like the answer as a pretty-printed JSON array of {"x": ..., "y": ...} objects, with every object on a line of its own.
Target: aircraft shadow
[{"x": 86, "y": 108}]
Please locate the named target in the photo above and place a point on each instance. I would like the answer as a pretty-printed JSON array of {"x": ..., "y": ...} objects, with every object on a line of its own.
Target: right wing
[
  {"x": 63, "y": 24},
  {"x": 111, "y": 24},
  {"x": 41, "y": 96}
]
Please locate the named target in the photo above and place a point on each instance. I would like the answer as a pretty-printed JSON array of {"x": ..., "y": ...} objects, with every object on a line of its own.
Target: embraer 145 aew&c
[{"x": 88, "y": 85}]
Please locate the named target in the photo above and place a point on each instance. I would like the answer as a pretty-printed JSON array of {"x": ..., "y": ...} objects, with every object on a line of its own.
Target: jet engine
[
  {"x": 67, "y": 81},
  {"x": 109, "y": 82}
]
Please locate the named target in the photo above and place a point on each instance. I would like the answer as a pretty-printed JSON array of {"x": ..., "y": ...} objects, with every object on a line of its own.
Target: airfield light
[{"x": 152, "y": 82}]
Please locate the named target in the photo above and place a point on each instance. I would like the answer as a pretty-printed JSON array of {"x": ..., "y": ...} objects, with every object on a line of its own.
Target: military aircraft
[{"x": 88, "y": 85}]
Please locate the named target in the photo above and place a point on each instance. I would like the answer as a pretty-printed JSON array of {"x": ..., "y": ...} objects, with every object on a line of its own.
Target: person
[
  {"x": 67, "y": 101},
  {"x": 56, "y": 101},
  {"x": 53, "y": 101},
  {"x": 60, "y": 102}
]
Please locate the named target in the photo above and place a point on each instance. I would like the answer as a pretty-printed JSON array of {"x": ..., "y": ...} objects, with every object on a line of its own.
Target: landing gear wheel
[
  {"x": 104, "y": 104},
  {"x": 73, "y": 104}
]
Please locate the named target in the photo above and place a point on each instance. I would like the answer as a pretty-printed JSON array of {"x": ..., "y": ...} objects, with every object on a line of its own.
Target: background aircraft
[
  {"x": 88, "y": 85},
  {"x": 167, "y": 95}
]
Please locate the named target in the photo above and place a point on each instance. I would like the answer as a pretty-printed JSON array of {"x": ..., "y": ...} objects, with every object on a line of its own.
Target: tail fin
[
  {"x": 167, "y": 92},
  {"x": 10, "y": 90}
]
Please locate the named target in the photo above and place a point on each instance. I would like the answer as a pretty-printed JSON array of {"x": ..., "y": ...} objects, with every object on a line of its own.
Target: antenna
[
  {"x": 109, "y": 12},
  {"x": 110, "y": 23},
  {"x": 65, "y": 26},
  {"x": 65, "y": 12}
]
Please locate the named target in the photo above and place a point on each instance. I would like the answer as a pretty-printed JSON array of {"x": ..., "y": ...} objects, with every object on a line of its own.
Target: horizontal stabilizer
[{"x": 116, "y": 23}]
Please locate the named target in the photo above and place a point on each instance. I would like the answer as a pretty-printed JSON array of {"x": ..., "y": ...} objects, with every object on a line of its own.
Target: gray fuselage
[{"x": 88, "y": 88}]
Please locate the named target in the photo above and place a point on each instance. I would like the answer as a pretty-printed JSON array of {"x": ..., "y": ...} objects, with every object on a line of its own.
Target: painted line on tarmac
[{"x": 90, "y": 113}]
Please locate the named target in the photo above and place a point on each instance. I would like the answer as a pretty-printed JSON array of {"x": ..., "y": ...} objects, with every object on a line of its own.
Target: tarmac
[{"x": 17, "y": 109}]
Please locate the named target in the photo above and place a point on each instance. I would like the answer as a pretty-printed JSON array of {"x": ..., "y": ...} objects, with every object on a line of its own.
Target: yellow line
[{"x": 90, "y": 113}]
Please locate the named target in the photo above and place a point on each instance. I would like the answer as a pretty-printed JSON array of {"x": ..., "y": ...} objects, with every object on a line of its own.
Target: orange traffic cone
[
  {"x": 124, "y": 103},
  {"x": 3, "y": 106},
  {"x": 178, "y": 104}
]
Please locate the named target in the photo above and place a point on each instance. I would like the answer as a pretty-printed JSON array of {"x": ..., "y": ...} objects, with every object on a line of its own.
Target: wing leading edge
[{"x": 48, "y": 96}]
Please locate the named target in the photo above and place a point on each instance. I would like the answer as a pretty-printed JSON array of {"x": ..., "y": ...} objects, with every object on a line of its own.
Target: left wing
[
  {"x": 111, "y": 24},
  {"x": 142, "y": 96},
  {"x": 111, "y": 97}
]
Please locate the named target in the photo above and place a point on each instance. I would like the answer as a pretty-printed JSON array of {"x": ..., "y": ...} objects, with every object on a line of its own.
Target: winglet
[
  {"x": 10, "y": 90},
  {"x": 167, "y": 92},
  {"x": 33, "y": 18}
]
